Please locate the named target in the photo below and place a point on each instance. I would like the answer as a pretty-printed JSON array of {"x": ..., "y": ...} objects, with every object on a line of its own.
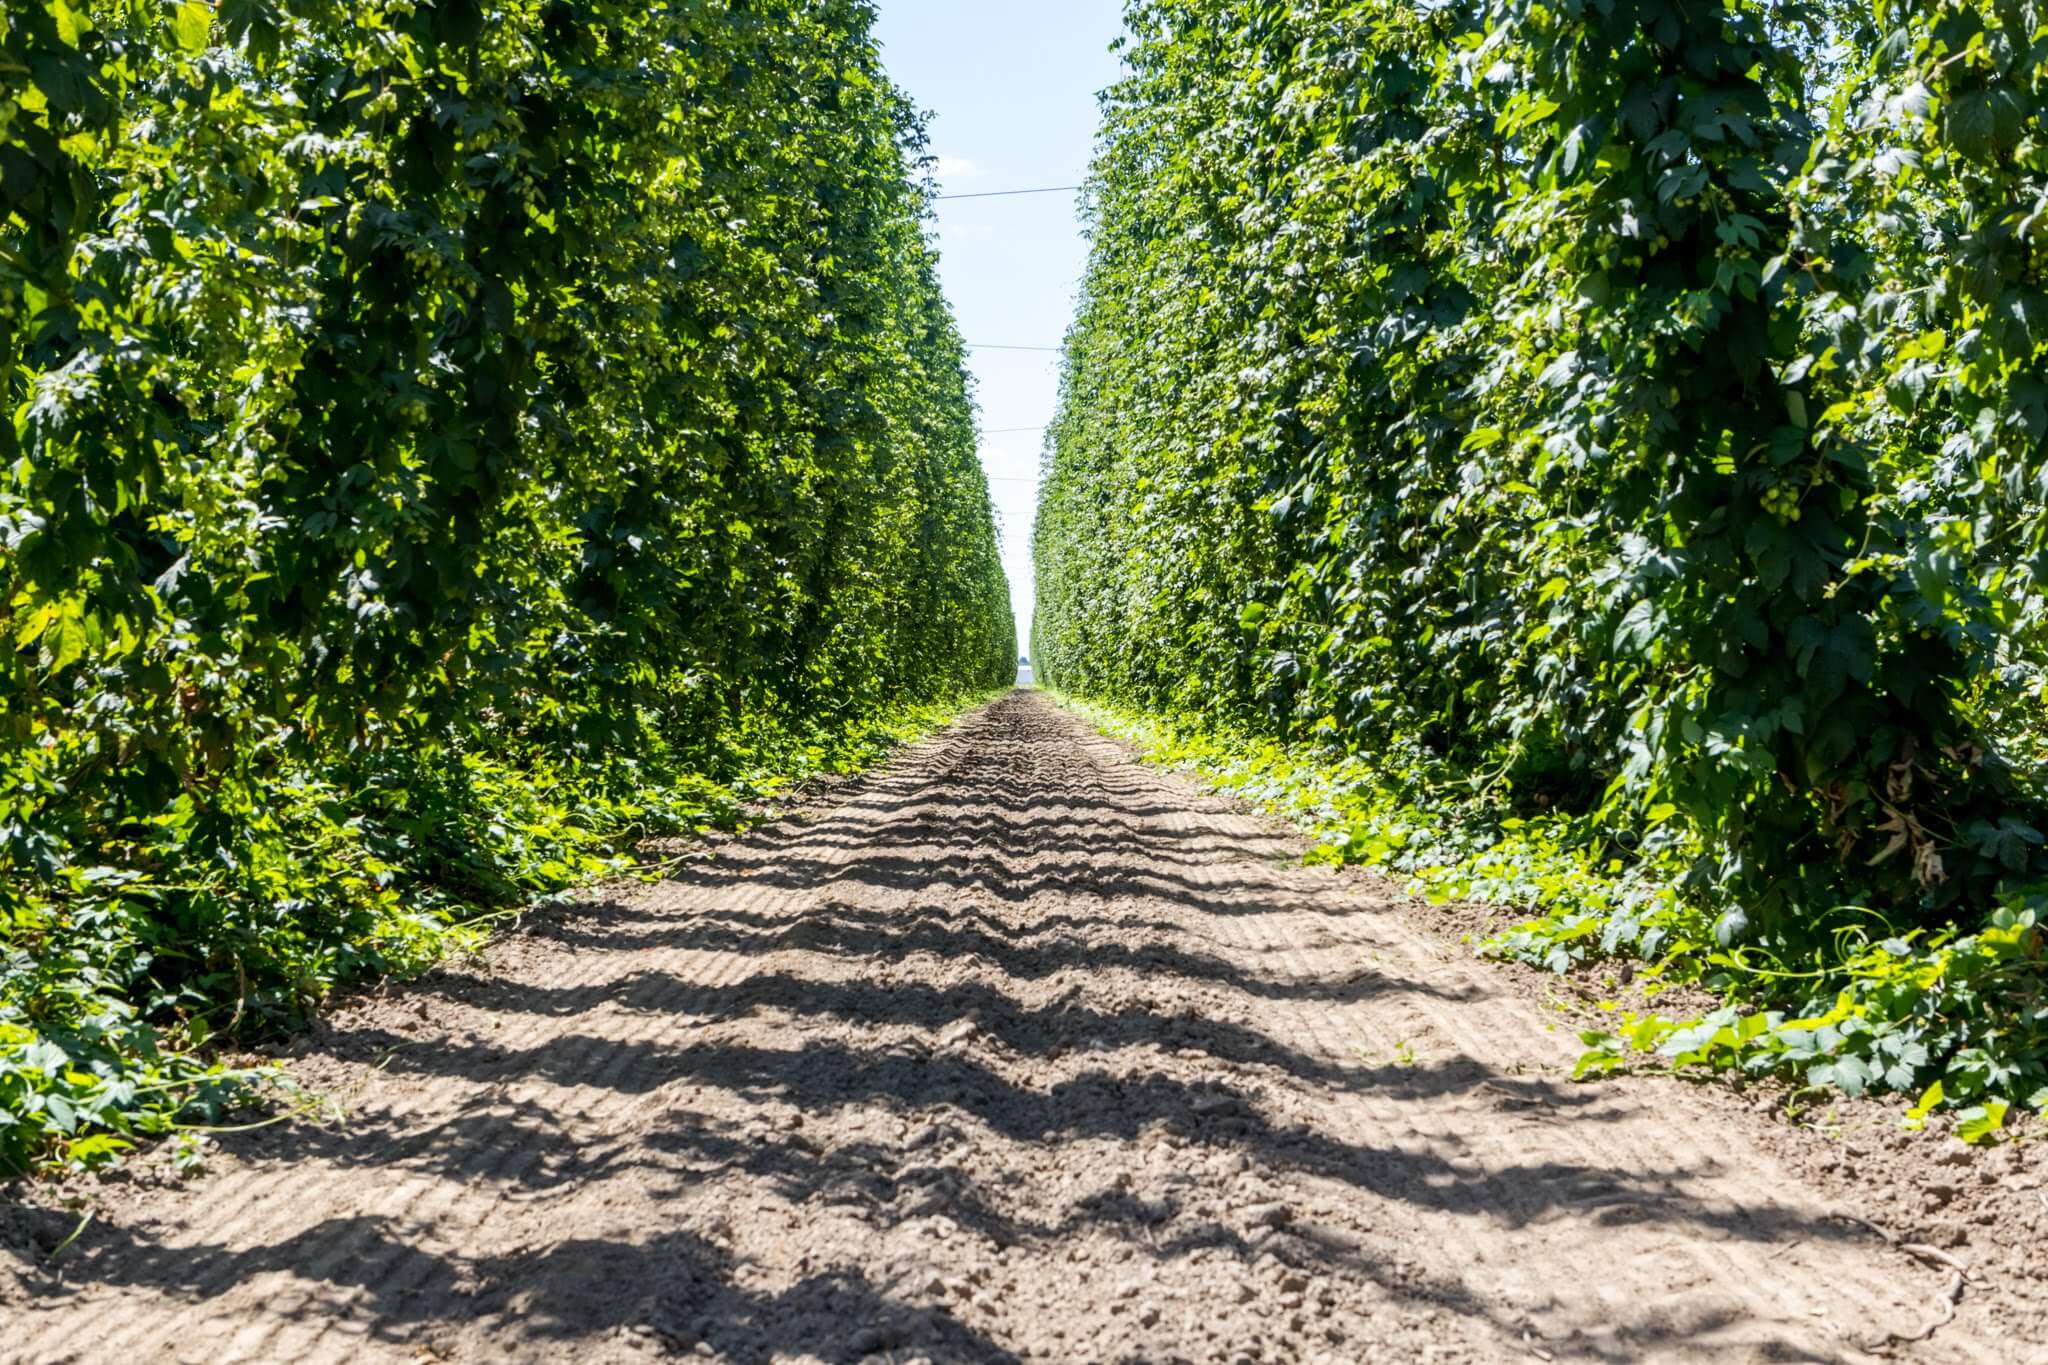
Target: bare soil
[{"x": 1020, "y": 1050}]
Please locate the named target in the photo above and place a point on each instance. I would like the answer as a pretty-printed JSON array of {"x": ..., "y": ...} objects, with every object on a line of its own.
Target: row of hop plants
[
  {"x": 1597, "y": 454},
  {"x": 441, "y": 443}
]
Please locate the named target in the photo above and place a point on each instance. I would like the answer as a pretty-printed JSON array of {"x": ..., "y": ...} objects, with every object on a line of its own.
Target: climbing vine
[
  {"x": 444, "y": 442},
  {"x": 1549, "y": 406}
]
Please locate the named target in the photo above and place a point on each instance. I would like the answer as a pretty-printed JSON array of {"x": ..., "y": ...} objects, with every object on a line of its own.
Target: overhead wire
[
  {"x": 1005, "y": 194},
  {"x": 993, "y": 346}
]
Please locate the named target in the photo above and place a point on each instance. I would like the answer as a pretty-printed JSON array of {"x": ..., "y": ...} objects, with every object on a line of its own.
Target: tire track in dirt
[{"x": 1019, "y": 1050}]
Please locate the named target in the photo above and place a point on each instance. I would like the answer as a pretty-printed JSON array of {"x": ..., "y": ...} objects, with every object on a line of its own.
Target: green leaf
[
  {"x": 1982, "y": 124},
  {"x": 67, "y": 642},
  {"x": 1604, "y": 1052},
  {"x": 193, "y": 25},
  {"x": 71, "y": 25},
  {"x": 1930, "y": 1100},
  {"x": 1981, "y": 1122},
  {"x": 62, "y": 1114}
]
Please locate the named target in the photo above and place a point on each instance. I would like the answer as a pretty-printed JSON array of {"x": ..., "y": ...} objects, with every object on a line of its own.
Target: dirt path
[{"x": 1017, "y": 1050}]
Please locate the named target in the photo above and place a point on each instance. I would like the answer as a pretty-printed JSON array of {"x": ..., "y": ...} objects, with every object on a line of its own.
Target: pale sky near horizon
[{"x": 1011, "y": 90}]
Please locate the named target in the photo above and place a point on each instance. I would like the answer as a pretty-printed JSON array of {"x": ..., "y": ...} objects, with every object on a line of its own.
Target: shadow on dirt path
[{"x": 1020, "y": 1050}]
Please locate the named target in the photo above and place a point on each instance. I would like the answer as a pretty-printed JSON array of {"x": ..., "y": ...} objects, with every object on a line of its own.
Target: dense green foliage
[
  {"x": 1613, "y": 432},
  {"x": 446, "y": 441}
]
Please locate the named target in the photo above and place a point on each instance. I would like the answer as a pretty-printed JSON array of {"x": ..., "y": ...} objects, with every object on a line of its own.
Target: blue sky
[{"x": 1011, "y": 88}]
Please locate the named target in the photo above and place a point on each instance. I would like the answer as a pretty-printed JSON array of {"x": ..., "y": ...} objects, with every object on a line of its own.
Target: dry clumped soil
[{"x": 1018, "y": 1050}]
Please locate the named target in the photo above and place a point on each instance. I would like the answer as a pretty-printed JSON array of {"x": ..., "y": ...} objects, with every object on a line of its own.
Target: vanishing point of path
[{"x": 1015, "y": 1050}]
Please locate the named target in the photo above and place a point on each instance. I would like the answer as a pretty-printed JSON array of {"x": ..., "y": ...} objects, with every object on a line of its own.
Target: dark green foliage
[
  {"x": 1555, "y": 402},
  {"x": 446, "y": 439}
]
